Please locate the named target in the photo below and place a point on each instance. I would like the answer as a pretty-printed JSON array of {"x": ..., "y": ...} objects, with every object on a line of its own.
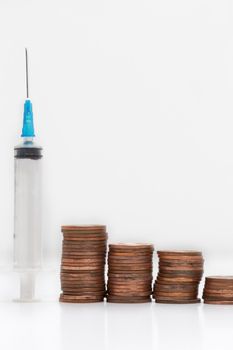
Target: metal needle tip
[{"x": 27, "y": 87}]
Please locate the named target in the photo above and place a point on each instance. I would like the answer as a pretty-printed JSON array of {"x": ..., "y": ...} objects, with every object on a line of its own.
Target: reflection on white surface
[
  {"x": 177, "y": 326},
  {"x": 102, "y": 326},
  {"x": 50, "y": 325},
  {"x": 129, "y": 326}
]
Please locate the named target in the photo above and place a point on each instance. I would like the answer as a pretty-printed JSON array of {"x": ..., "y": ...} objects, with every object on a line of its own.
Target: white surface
[
  {"x": 50, "y": 325},
  {"x": 133, "y": 105},
  {"x": 112, "y": 326}
]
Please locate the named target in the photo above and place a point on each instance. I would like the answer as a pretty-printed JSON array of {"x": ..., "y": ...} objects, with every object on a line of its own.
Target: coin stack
[
  {"x": 218, "y": 290},
  {"x": 179, "y": 275},
  {"x": 83, "y": 264},
  {"x": 129, "y": 273}
]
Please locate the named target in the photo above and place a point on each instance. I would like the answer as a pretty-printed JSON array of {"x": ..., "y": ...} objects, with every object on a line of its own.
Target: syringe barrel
[{"x": 27, "y": 213}]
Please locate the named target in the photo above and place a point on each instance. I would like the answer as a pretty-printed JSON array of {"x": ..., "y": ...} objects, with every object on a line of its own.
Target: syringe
[{"x": 27, "y": 214}]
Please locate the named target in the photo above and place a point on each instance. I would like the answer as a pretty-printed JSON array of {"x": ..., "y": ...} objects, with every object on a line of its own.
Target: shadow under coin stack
[
  {"x": 83, "y": 264},
  {"x": 218, "y": 290},
  {"x": 180, "y": 272},
  {"x": 130, "y": 273}
]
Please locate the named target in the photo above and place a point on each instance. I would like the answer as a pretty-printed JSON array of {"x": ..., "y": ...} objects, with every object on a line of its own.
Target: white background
[{"x": 133, "y": 106}]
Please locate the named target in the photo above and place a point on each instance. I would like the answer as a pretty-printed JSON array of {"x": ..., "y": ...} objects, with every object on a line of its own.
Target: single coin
[
  {"x": 174, "y": 297},
  {"x": 181, "y": 268},
  {"x": 181, "y": 272},
  {"x": 176, "y": 280},
  {"x": 130, "y": 246},
  {"x": 83, "y": 287},
  {"x": 81, "y": 277},
  {"x": 186, "y": 258},
  {"x": 139, "y": 275},
  {"x": 84, "y": 234},
  {"x": 83, "y": 268},
  {"x": 179, "y": 252},
  {"x": 129, "y": 255},
  {"x": 178, "y": 263},
  {"x": 85, "y": 260},
  {"x": 99, "y": 264},
  {"x": 131, "y": 266},
  {"x": 218, "y": 291},
  {"x": 74, "y": 299},
  {"x": 129, "y": 282},
  {"x": 67, "y": 290},
  {"x": 216, "y": 297},
  {"x": 131, "y": 293},
  {"x": 86, "y": 244},
  {"x": 178, "y": 295},
  {"x": 81, "y": 297},
  {"x": 78, "y": 264},
  {"x": 180, "y": 277},
  {"x": 77, "y": 239},
  {"x": 161, "y": 301},
  {"x": 129, "y": 286},
  {"x": 219, "y": 280},
  {"x": 85, "y": 253},
  {"x": 113, "y": 299},
  {"x": 178, "y": 290},
  {"x": 218, "y": 302},
  {"x": 129, "y": 261},
  {"x": 83, "y": 227}
]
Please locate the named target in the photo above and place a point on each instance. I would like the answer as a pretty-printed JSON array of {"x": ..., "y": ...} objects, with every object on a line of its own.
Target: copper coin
[
  {"x": 129, "y": 282},
  {"x": 177, "y": 263},
  {"x": 216, "y": 297},
  {"x": 131, "y": 293},
  {"x": 74, "y": 299},
  {"x": 181, "y": 268},
  {"x": 218, "y": 291},
  {"x": 84, "y": 253},
  {"x": 78, "y": 239},
  {"x": 90, "y": 266},
  {"x": 131, "y": 246},
  {"x": 84, "y": 235},
  {"x": 179, "y": 295},
  {"x": 176, "y": 280},
  {"x": 129, "y": 286},
  {"x": 83, "y": 227},
  {"x": 179, "y": 252},
  {"x": 129, "y": 255},
  {"x": 126, "y": 300},
  {"x": 129, "y": 261},
  {"x": 176, "y": 258},
  {"x": 218, "y": 302},
  {"x": 85, "y": 244},
  {"x": 220, "y": 279},
  {"x": 133, "y": 275},
  {"x": 130, "y": 267},
  {"x": 161, "y": 301},
  {"x": 83, "y": 268},
  {"x": 83, "y": 287},
  {"x": 178, "y": 289},
  {"x": 180, "y": 277}
]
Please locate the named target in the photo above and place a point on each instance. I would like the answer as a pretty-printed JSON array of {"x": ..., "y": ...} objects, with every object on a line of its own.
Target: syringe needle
[{"x": 26, "y": 57}]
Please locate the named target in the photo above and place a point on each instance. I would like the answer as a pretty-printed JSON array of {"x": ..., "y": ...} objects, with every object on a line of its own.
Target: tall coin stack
[
  {"x": 218, "y": 290},
  {"x": 130, "y": 273},
  {"x": 83, "y": 264},
  {"x": 179, "y": 275}
]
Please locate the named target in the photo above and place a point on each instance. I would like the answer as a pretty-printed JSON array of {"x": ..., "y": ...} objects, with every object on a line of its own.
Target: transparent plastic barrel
[{"x": 27, "y": 215}]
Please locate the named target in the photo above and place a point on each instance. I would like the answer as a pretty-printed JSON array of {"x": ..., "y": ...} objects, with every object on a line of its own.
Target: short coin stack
[
  {"x": 83, "y": 264},
  {"x": 180, "y": 272},
  {"x": 218, "y": 290},
  {"x": 129, "y": 273}
]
